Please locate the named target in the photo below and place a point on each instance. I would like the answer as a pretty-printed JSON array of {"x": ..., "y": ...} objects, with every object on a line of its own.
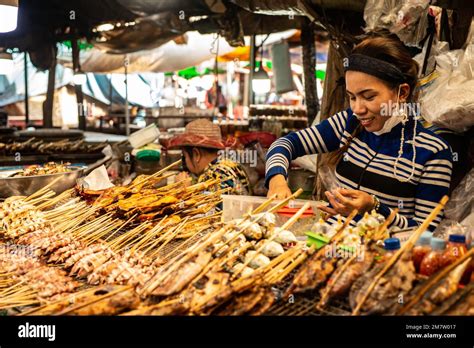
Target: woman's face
[{"x": 368, "y": 95}]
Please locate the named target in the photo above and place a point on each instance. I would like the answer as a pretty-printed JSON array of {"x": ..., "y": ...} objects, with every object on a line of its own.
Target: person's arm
[
  {"x": 433, "y": 185},
  {"x": 322, "y": 138}
]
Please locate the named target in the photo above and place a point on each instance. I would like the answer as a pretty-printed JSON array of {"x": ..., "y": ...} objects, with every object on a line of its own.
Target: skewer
[
  {"x": 43, "y": 190},
  {"x": 286, "y": 225},
  {"x": 406, "y": 247},
  {"x": 66, "y": 299},
  {"x": 430, "y": 282},
  {"x": 193, "y": 251},
  {"x": 121, "y": 242},
  {"x": 153, "y": 233},
  {"x": 169, "y": 237},
  {"x": 122, "y": 226},
  {"x": 94, "y": 300},
  {"x": 153, "y": 175},
  {"x": 337, "y": 276}
]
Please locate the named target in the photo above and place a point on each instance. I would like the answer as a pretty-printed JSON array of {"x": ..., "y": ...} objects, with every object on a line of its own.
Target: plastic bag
[
  {"x": 437, "y": 48},
  {"x": 461, "y": 203},
  {"x": 328, "y": 178},
  {"x": 448, "y": 101},
  {"x": 307, "y": 162},
  {"x": 407, "y": 19}
]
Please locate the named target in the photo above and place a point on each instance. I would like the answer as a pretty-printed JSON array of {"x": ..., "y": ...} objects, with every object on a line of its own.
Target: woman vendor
[
  {"x": 200, "y": 144},
  {"x": 383, "y": 157}
]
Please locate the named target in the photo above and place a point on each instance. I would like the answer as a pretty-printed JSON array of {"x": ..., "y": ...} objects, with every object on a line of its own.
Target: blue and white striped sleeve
[{"x": 322, "y": 138}]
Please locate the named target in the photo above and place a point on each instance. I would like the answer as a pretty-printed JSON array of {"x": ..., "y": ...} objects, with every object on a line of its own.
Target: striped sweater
[{"x": 368, "y": 164}]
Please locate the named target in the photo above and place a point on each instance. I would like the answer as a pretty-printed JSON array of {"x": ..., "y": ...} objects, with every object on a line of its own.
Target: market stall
[{"x": 173, "y": 220}]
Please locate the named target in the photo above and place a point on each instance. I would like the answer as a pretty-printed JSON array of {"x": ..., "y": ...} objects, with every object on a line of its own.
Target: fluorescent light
[
  {"x": 79, "y": 78},
  {"x": 261, "y": 83},
  {"x": 6, "y": 63},
  {"x": 8, "y": 15}
]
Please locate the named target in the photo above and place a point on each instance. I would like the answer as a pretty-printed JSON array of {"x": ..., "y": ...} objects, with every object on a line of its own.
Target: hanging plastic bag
[
  {"x": 461, "y": 203},
  {"x": 328, "y": 178},
  {"x": 407, "y": 19},
  {"x": 448, "y": 101}
]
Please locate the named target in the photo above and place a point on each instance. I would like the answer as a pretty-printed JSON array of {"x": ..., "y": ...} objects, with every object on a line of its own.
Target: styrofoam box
[
  {"x": 236, "y": 206},
  {"x": 144, "y": 136}
]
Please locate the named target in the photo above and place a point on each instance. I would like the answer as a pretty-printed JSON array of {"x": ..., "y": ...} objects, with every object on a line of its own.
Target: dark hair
[
  {"x": 205, "y": 150},
  {"x": 387, "y": 47}
]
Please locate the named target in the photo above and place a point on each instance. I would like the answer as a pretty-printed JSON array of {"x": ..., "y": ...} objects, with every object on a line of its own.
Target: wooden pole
[
  {"x": 49, "y": 102},
  {"x": 309, "y": 68},
  {"x": 78, "y": 88},
  {"x": 27, "y": 106}
]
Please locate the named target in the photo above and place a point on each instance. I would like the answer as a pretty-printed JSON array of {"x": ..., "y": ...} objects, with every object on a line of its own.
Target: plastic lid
[
  {"x": 438, "y": 243},
  {"x": 425, "y": 239},
  {"x": 457, "y": 238},
  {"x": 148, "y": 155},
  {"x": 391, "y": 244}
]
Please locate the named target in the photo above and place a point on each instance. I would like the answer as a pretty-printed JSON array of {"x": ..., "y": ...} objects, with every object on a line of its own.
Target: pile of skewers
[
  {"x": 90, "y": 246},
  {"x": 38, "y": 146},
  {"x": 229, "y": 272}
]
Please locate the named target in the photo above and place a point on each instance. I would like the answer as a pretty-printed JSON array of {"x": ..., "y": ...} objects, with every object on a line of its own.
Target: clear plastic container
[
  {"x": 433, "y": 261},
  {"x": 456, "y": 249},
  {"x": 391, "y": 245},
  {"x": 421, "y": 249},
  {"x": 236, "y": 206}
]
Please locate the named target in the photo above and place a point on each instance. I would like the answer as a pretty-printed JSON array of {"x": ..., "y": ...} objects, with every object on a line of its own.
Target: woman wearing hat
[
  {"x": 383, "y": 157},
  {"x": 201, "y": 143}
]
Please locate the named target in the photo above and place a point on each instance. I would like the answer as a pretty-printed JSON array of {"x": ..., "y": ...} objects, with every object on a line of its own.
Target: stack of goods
[
  {"x": 33, "y": 146},
  {"x": 230, "y": 272},
  {"x": 412, "y": 279},
  {"x": 409, "y": 279},
  {"x": 48, "y": 168},
  {"x": 92, "y": 244}
]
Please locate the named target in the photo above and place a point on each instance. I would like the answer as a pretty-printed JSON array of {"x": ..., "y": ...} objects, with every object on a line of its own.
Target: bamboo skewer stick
[
  {"x": 98, "y": 235},
  {"x": 148, "y": 236},
  {"x": 430, "y": 282},
  {"x": 120, "y": 228},
  {"x": 43, "y": 190},
  {"x": 154, "y": 175},
  {"x": 193, "y": 251},
  {"x": 337, "y": 276},
  {"x": 286, "y": 225},
  {"x": 169, "y": 238},
  {"x": 121, "y": 243},
  {"x": 67, "y": 299},
  {"x": 94, "y": 300},
  {"x": 407, "y": 247},
  {"x": 278, "y": 264}
]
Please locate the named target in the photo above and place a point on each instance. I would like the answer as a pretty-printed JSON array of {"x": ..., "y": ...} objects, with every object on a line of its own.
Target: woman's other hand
[
  {"x": 344, "y": 201},
  {"x": 279, "y": 187}
]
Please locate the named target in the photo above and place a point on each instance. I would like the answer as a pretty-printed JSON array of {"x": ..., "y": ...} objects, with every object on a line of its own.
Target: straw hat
[{"x": 199, "y": 133}]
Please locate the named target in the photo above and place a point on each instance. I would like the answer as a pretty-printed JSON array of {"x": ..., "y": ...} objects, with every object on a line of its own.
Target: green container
[
  {"x": 148, "y": 155},
  {"x": 316, "y": 239}
]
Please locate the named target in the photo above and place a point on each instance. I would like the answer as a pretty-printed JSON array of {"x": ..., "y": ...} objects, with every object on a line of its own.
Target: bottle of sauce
[
  {"x": 456, "y": 249},
  {"x": 421, "y": 249},
  {"x": 391, "y": 245},
  {"x": 433, "y": 261}
]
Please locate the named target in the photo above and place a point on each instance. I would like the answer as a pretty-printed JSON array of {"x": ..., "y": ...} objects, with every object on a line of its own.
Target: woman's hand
[
  {"x": 279, "y": 187},
  {"x": 344, "y": 201},
  {"x": 184, "y": 178}
]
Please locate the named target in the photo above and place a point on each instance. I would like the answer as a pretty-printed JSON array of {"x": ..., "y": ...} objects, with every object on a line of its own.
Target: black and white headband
[{"x": 373, "y": 66}]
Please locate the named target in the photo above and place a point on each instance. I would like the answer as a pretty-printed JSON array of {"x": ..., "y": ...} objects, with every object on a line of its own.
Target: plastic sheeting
[
  {"x": 449, "y": 100},
  {"x": 140, "y": 92},
  {"x": 407, "y": 19}
]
